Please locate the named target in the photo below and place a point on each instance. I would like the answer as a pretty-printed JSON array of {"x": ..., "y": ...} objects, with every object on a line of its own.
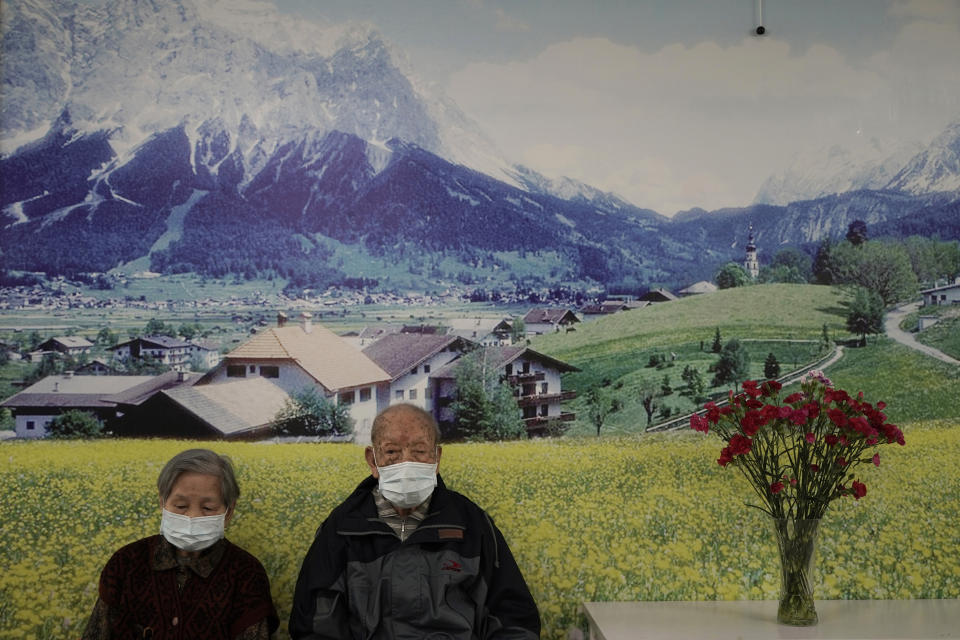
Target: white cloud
[{"x": 684, "y": 126}]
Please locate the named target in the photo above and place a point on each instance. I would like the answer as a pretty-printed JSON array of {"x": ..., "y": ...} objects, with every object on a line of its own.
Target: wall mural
[{"x": 238, "y": 192}]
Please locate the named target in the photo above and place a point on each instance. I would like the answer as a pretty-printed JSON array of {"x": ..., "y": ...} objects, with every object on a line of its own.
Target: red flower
[
  {"x": 784, "y": 412},
  {"x": 876, "y": 459},
  {"x": 841, "y": 461},
  {"x": 810, "y": 438},
  {"x": 752, "y": 421},
  {"x": 859, "y": 489},
  {"x": 831, "y": 439},
  {"x": 776, "y": 487},
  {"x": 814, "y": 467},
  {"x": 740, "y": 445},
  {"x": 837, "y": 417},
  {"x": 798, "y": 417},
  {"x": 699, "y": 423},
  {"x": 793, "y": 397},
  {"x": 770, "y": 388}
]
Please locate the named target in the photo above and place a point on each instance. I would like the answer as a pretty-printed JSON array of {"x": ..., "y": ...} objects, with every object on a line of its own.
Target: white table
[{"x": 757, "y": 619}]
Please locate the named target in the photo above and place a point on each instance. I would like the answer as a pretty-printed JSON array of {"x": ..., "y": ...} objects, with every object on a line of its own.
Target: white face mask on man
[
  {"x": 407, "y": 484},
  {"x": 191, "y": 534}
]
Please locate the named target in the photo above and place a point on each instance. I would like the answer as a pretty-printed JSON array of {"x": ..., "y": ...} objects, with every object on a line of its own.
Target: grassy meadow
[{"x": 650, "y": 518}]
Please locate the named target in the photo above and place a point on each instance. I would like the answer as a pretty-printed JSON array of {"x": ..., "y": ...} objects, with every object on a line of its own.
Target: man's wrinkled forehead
[{"x": 404, "y": 424}]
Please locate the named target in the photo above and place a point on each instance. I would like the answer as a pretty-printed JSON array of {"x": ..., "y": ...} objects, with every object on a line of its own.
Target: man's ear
[
  {"x": 229, "y": 515},
  {"x": 371, "y": 462}
]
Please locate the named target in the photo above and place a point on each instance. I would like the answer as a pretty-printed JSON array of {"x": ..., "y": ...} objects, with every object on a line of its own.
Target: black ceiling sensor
[{"x": 760, "y": 30}]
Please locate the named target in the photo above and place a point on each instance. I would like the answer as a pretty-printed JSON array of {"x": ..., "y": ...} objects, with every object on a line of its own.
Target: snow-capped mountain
[
  {"x": 138, "y": 67},
  {"x": 868, "y": 164},
  {"x": 936, "y": 168}
]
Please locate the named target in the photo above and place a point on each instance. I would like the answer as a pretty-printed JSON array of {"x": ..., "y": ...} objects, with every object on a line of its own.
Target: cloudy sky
[{"x": 674, "y": 103}]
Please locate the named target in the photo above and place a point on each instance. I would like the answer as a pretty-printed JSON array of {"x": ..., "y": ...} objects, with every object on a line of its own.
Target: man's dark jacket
[{"x": 453, "y": 578}]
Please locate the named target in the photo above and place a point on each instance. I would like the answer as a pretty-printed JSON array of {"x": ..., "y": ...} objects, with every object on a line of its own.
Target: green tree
[
  {"x": 75, "y": 424},
  {"x": 188, "y": 331},
  {"x": 649, "y": 392},
  {"x": 156, "y": 327},
  {"x": 485, "y": 406},
  {"x": 771, "y": 367},
  {"x": 731, "y": 275},
  {"x": 106, "y": 338},
  {"x": 882, "y": 267},
  {"x": 733, "y": 365},
  {"x": 788, "y": 265},
  {"x": 518, "y": 331},
  {"x": 857, "y": 233},
  {"x": 932, "y": 259},
  {"x": 308, "y": 413},
  {"x": 865, "y": 314},
  {"x": 717, "y": 342},
  {"x": 665, "y": 388},
  {"x": 599, "y": 406},
  {"x": 824, "y": 270},
  {"x": 693, "y": 379},
  {"x": 48, "y": 366}
]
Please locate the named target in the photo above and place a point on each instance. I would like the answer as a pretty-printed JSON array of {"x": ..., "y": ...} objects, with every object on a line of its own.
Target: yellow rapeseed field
[{"x": 650, "y": 518}]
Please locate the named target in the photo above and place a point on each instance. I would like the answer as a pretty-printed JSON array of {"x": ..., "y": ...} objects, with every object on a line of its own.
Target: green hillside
[{"x": 786, "y": 320}]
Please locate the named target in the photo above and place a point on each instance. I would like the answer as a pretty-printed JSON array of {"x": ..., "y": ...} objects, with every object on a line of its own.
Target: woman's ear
[{"x": 229, "y": 514}]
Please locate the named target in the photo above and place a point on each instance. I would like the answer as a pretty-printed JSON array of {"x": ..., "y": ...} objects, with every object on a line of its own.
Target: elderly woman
[{"x": 189, "y": 581}]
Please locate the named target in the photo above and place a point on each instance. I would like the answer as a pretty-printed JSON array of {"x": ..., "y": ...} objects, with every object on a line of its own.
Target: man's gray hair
[
  {"x": 202, "y": 461},
  {"x": 388, "y": 415}
]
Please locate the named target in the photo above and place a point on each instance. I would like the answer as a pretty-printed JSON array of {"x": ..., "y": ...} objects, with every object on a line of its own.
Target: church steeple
[{"x": 750, "y": 262}]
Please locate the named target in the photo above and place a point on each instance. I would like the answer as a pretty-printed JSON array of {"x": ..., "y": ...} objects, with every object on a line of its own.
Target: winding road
[{"x": 891, "y": 323}]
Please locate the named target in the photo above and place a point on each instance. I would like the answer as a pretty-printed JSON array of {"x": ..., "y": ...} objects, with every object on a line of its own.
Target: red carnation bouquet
[{"x": 799, "y": 452}]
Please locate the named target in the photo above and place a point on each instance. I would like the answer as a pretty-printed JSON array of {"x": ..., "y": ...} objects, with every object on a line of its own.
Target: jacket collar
[{"x": 442, "y": 521}]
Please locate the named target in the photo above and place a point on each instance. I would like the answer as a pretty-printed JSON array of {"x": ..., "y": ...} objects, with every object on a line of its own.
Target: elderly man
[{"x": 405, "y": 557}]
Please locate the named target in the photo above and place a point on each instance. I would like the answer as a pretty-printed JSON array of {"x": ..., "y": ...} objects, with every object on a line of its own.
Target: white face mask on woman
[
  {"x": 407, "y": 484},
  {"x": 191, "y": 534}
]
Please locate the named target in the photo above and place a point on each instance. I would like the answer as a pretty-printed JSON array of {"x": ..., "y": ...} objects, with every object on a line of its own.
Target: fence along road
[{"x": 821, "y": 364}]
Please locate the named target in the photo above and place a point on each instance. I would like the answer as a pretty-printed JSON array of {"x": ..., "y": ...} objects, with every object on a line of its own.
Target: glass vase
[{"x": 796, "y": 543}]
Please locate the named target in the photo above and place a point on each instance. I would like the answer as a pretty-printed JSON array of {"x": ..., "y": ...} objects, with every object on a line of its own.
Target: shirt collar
[{"x": 165, "y": 557}]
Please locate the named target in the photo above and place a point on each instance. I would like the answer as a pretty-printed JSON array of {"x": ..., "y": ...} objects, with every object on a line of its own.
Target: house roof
[
  {"x": 327, "y": 357},
  {"x": 70, "y": 342},
  {"x": 231, "y": 407},
  {"x": 74, "y": 391},
  {"x": 497, "y": 357},
  {"x": 472, "y": 328},
  {"x": 548, "y": 315},
  {"x": 162, "y": 342},
  {"x": 398, "y": 353},
  {"x": 954, "y": 285},
  {"x": 699, "y": 287},
  {"x": 660, "y": 294},
  {"x": 606, "y": 307},
  {"x": 138, "y": 394}
]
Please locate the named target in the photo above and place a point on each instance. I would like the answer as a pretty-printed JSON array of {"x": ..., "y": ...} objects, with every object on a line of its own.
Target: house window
[
  {"x": 509, "y": 369},
  {"x": 346, "y": 397},
  {"x": 365, "y": 394},
  {"x": 398, "y": 394},
  {"x": 269, "y": 371},
  {"x": 529, "y": 412},
  {"x": 543, "y": 410},
  {"x": 426, "y": 368},
  {"x": 236, "y": 371},
  {"x": 413, "y": 394},
  {"x": 31, "y": 425},
  {"x": 413, "y": 371},
  {"x": 544, "y": 386},
  {"x": 253, "y": 368},
  {"x": 526, "y": 367}
]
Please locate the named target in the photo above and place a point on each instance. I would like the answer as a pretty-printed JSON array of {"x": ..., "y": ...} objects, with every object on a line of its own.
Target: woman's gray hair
[{"x": 202, "y": 461}]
